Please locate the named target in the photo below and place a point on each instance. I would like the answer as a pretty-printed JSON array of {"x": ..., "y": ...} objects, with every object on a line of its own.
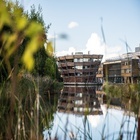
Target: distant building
[
  {"x": 99, "y": 74},
  {"x": 125, "y": 69},
  {"x": 79, "y": 68}
]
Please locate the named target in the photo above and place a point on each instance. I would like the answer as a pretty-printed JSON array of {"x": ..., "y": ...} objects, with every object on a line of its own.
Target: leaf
[
  {"x": 50, "y": 49},
  {"x": 28, "y": 60},
  {"x": 10, "y": 43},
  {"x": 29, "y": 52},
  {"x": 4, "y": 15},
  {"x": 21, "y": 23},
  {"x": 34, "y": 29},
  {"x": 20, "y": 18}
]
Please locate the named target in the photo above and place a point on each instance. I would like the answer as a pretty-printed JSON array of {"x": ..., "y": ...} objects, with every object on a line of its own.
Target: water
[{"x": 111, "y": 124}]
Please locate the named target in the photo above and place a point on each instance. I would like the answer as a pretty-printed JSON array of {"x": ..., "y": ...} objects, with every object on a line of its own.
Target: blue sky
[{"x": 81, "y": 21}]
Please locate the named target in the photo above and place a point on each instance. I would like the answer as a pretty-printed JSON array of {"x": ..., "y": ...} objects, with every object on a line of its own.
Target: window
[
  {"x": 79, "y": 102},
  {"x": 122, "y": 71},
  {"x": 85, "y": 67},
  {"x": 128, "y": 71},
  {"x": 78, "y": 60},
  {"x": 79, "y": 95},
  {"x": 85, "y": 59},
  {"x": 79, "y": 67}
]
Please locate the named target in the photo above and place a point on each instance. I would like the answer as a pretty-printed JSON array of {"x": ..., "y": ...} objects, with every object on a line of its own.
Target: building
[
  {"x": 125, "y": 69},
  {"x": 79, "y": 68},
  {"x": 99, "y": 74}
]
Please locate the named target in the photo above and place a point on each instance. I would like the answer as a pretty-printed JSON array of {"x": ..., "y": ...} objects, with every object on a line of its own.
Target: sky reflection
[{"x": 110, "y": 126}]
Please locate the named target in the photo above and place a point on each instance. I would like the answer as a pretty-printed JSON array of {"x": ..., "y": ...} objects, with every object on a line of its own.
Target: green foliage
[
  {"x": 26, "y": 40},
  {"x": 45, "y": 63},
  {"x": 50, "y": 49},
  {"x": 22, "y": 38},
  {"x": 50, "y": 63},
  {"x": 20, "y": 27},
  {"x": 40, "y": 67},
  {"x": 36, "y": 15},
  {"x": 128, "y": 93}
]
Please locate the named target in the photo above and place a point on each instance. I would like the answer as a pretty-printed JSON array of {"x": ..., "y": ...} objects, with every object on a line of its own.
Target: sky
[{"x": 81, "y": 21}]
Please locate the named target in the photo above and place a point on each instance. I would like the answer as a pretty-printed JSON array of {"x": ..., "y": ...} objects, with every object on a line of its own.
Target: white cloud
[
  {"x": 95, "y": 45},
  {"x": 95, "y": 120},
  {"x": 70, "y": 51},
  {"x": 73, "y": 24}
]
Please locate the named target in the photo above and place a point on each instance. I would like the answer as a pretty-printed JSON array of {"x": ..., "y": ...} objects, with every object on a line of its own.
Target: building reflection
[{"x": 79, "y": 100}]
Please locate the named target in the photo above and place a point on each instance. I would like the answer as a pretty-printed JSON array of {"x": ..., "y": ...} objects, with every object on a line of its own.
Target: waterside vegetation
[
  {"x": 128, "y": 94},
  {"x": 28, "y": 73},
  {"x": 129, "y": 97}
]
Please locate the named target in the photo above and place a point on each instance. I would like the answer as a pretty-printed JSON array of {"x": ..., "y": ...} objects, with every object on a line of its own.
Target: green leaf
[
  {"x": 4, "y": 15},
  {"x": 21, "y": 23},
  {"x": 50, "y": 49},
  {"x": 34, "y": 29},
  {"x": 28, "y": 60},
  {"x": 29, "y": 52}
]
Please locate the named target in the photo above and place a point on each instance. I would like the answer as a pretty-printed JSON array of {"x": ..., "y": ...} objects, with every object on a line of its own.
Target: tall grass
[
  {"x": 32, "y": 110},
  {"x": 129, "y": 95},
  {"x": 25, "y": 107}
]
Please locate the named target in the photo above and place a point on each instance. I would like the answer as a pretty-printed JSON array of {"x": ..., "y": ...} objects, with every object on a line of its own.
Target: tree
[{"x": 18, "y": 44}]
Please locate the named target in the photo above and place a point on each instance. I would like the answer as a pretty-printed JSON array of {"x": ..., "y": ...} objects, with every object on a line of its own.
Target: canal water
[{"x": 82, "y": 116}]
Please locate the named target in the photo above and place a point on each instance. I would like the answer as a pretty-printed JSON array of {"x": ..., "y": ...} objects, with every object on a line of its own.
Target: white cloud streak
[{"x": 73, "y": 24}]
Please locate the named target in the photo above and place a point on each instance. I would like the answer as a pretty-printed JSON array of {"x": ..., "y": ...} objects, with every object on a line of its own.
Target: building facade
[
  {"x": 79, "y": 68},
  {"x": 123, "y": 70}
]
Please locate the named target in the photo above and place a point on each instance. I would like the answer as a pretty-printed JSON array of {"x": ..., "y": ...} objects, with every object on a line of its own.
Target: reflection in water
[
  {"x": 80, "y": 116},
  {"x": 79, "y": 100}
]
